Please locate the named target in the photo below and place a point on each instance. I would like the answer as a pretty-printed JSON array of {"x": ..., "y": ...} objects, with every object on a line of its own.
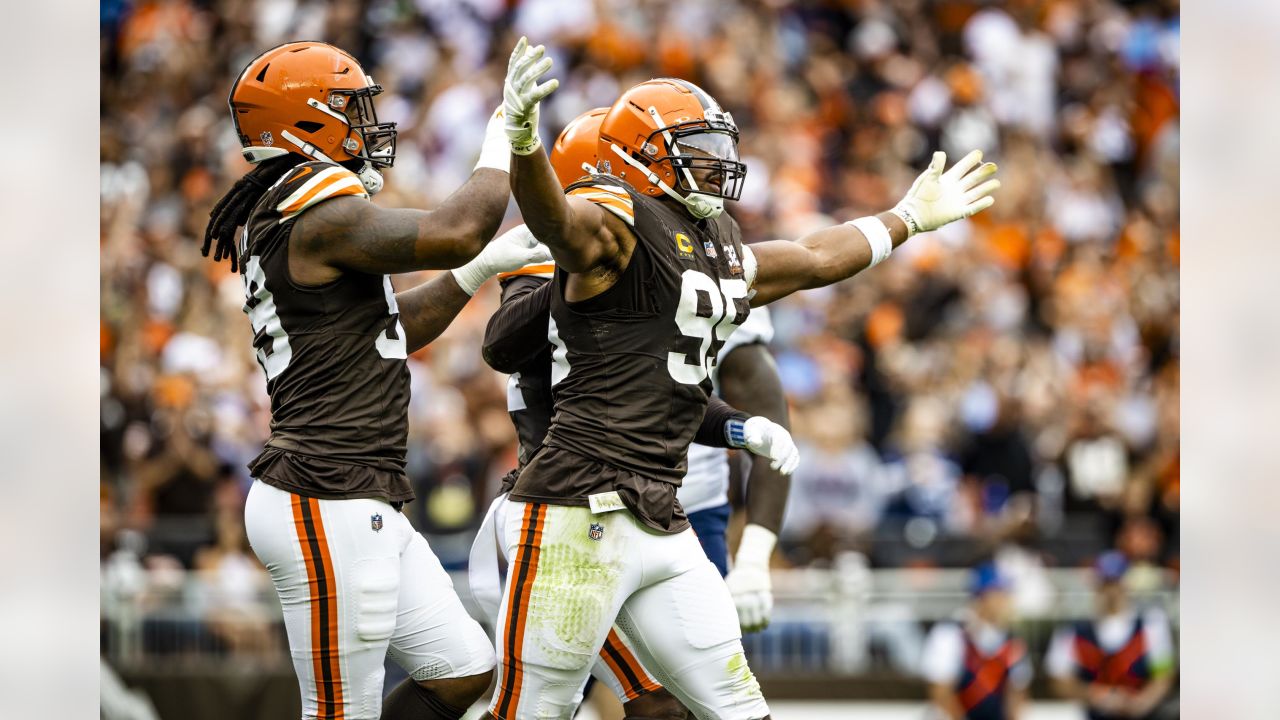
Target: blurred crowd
[{"x": 1008, "y": 382}]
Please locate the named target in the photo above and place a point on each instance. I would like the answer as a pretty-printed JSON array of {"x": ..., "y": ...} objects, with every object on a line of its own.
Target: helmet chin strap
[
  {"x": 369, "y": 176},
  {"x": 700, "y": 206}
]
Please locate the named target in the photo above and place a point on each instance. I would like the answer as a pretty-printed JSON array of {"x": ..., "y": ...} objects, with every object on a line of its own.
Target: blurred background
[{"x": 1003, "y": 390}]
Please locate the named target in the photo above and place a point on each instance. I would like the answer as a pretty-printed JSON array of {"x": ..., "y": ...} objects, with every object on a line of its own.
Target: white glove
[
  {"x": 509, "y": 251},
  {"x": 495, "y": 153},
  {"x": 937, "y": 198},
  {"x": 749, "y": 581},
  {"x": 767, "y": 438},
  {"x": 521, "y": 94}
]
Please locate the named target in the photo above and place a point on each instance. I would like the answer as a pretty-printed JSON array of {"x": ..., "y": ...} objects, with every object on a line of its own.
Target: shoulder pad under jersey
[
  {"x": 608, "y": 196},
  {"x": 312, "y": 183}
]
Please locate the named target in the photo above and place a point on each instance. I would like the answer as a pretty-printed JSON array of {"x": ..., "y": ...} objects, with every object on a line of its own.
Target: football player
[
  {"x": 355, "y": 581},
  {"x": 651, "y": 279},
  {"x": 516, "y": 344},
  {"x": 743, "y": 371}
]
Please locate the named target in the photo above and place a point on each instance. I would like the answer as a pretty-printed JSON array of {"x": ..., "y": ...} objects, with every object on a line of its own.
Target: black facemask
[{"x": 379, "y": 139}]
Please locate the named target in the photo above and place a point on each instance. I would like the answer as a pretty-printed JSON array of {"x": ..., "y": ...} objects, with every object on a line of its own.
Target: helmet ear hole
[{"x": 308, "y": 126}]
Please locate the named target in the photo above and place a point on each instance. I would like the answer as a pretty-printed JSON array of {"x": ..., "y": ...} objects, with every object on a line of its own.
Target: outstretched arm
[
  {"x": 816, "y": 260},
  {"x": 580, "y": 233},
  {"x": 839, "y": 252},
  {"x": 426, "y": 310},
  {"x": 351, "y": 233}
]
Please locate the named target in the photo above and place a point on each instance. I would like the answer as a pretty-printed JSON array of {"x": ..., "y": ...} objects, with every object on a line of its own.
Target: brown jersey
[
  {"x": 631, "y": 366},
  {"x": 529, "y": 385},
  {"x": 334, "y": 356}
]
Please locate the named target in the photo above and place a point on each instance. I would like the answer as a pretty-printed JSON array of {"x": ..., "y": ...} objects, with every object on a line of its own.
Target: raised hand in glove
[
  {"x": 521, "y": 94},
  {"x": 937, "y": 198},
  {"x": 509, "y": 251}
]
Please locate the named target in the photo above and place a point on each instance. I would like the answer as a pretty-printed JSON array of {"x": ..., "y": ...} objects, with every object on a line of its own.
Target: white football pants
[{"x": 357, "y": 583}]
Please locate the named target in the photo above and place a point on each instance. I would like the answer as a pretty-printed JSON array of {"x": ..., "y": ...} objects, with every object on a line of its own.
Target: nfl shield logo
[
  {"x": 375, "y": 522},
  {"x": 267, "y": 139},
  {"x": 596, "y": 532}
]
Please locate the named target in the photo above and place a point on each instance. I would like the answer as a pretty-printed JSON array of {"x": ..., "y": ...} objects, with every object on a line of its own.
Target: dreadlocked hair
[{"x": 233, "y": 209}]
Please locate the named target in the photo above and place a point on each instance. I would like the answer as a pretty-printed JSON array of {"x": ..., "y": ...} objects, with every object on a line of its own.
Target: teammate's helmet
[
  {"x": 647, "y": 138},
  {"x": 313, "y": 99},
  {"x": 577, "y": 147}
]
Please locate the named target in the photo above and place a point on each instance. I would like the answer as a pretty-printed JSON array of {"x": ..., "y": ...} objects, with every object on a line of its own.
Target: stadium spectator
[
  {"x": 977, "y": 669},
  {"x": 1120, "y": 664}
]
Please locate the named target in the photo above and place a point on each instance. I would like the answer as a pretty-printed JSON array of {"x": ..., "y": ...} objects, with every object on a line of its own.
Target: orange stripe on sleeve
[
  {"x": 323, "y": 183},
  {"x": 333, "y": 186},
  {"x": 619, "y": 204},
  {"x": 543, "y": 269}
]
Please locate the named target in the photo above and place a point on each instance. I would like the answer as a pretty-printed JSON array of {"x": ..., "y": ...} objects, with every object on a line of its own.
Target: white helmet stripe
[{"x": 671, "y": 147}]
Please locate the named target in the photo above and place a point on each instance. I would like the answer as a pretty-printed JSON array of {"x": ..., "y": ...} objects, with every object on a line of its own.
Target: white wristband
[
  {"x": 756, "y": 546},
  {"x": 908, "y": 218},
  {"x": 877, "y": 236},
  {"x": 534, "y": 145},
  {"x": 495, "y": 152},
  {"x": 496, "y": 156},
  {"x": 470, "y": 277}
]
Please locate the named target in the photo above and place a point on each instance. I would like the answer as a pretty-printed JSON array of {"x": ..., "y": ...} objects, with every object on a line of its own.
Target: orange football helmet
[
  {"x": 577, "y": 146},
  {"x": 660, "y": 131},
  {"x": 313, "y": 99}
]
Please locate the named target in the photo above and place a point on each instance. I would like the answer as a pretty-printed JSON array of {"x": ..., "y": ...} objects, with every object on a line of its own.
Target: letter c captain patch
[{"x": 684, "y": 245}]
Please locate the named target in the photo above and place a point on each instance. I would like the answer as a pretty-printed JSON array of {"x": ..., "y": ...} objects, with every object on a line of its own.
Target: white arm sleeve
[{"x": 943, "y": 656}]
